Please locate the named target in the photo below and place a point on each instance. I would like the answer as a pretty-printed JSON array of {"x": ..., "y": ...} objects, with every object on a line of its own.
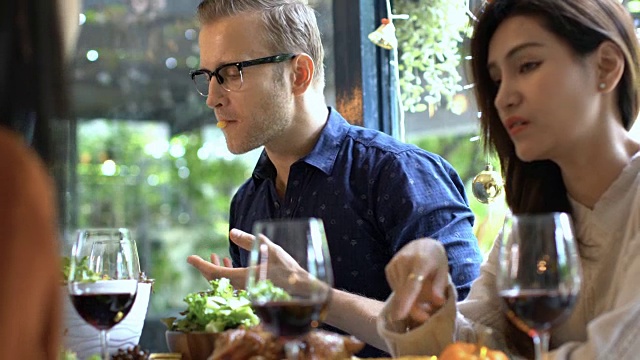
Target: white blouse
[{"x": 605, "y": 322}]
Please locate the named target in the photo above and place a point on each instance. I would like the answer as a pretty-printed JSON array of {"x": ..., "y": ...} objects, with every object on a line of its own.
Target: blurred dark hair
[
  {"x": 583, "y": 24},
  {"x": 32, "y": 86}
]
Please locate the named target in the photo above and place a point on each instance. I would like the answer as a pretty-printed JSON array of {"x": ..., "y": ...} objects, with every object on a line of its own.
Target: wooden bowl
[{"x": 192, "y": 345}]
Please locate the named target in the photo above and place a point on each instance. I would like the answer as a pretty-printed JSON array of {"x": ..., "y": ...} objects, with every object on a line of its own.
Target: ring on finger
[{"x": 416, "y": 277}]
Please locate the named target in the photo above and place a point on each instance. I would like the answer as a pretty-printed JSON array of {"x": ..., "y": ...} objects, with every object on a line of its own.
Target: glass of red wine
[
  {"x": 103, "y": 278},
  {"x": 539, "y": 273},
  {"x": 290, "y": 278}
]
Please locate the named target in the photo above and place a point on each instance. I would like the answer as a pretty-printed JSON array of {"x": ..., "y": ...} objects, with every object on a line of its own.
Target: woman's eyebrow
[{"x": 515, "y": 50}]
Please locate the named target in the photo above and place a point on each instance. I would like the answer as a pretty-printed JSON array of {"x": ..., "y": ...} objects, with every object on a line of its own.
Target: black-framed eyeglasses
[{"x": 229, "y": 76}]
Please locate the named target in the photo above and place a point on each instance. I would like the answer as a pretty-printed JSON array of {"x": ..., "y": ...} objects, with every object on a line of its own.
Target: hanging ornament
[
  {"x": 385, "y": 35},
  {"x": 487, "y": 185}
]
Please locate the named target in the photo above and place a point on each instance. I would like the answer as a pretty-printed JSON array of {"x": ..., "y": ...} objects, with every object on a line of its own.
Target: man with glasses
[
  {"x": 229, "y": 76},
  {"x": 262, "y": 74}
]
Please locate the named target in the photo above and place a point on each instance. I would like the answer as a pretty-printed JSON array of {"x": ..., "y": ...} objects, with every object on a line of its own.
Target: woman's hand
[{"x": 419, "y": 275}]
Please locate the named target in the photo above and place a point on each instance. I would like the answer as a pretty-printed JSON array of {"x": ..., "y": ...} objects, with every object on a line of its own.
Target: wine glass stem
[
  {"x": 104, "y": 344},
  {"x": 541, "y": 345}
]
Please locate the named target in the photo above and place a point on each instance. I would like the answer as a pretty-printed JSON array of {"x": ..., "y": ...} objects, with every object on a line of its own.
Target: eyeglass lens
[{"x": 229, "y": 77}]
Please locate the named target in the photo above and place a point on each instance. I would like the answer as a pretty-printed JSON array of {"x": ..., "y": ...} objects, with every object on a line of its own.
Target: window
[{"x": 450, "y": 129}]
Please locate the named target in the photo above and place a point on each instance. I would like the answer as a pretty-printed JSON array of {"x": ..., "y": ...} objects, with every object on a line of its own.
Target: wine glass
[
  {"x": 539, "y": 273},
  {"x": 292, "y": 255},
  {"x": 103, "y": 278}
]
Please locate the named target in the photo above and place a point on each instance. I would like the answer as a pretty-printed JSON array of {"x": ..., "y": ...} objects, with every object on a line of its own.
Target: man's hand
[
  {"x": 282, "y": 267},
  {"x": 419, "y": 275},
  {"x": 214, "y": 270}
]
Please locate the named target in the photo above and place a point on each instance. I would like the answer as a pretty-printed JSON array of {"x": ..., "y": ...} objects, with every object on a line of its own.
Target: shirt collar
[{"x": 324, "y": 153}]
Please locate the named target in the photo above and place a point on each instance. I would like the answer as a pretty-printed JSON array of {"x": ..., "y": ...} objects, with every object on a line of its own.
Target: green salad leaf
[
  {"x": 83, "y": 273},
  {"x": 265, "y": 291},
  {"x": 216, "y": 310}
]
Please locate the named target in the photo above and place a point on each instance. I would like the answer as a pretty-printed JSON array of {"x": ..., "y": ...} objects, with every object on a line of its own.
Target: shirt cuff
[{"x": 430, "y": 338}]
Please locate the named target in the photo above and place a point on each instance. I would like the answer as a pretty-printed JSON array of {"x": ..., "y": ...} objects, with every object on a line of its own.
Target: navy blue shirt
[{"x": 374, "y": 194}]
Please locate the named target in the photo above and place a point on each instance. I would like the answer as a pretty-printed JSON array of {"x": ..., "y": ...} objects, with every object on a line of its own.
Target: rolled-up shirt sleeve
[{"x": 428, "y": 200}]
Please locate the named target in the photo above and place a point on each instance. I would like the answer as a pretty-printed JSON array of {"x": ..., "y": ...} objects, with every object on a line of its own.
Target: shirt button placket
[{"x": 276, "y": 206}]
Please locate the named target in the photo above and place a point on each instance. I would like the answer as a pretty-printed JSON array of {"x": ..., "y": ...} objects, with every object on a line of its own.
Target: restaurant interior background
[{"x": 143, "y": 150}]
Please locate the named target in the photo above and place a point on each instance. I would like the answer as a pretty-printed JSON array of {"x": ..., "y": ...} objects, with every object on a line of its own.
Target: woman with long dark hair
[
  {"x": 31, "y": 94},
  {"x": 557, "y": 85}
]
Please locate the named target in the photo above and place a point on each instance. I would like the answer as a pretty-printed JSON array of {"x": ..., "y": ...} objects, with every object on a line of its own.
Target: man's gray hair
[{"x": 290, "y": 25}]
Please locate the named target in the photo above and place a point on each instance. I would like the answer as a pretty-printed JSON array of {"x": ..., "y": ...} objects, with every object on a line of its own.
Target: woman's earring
[{"x": 602, "y": 85}]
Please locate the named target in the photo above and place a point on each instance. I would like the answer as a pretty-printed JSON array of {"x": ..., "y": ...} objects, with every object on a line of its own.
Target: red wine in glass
[
  {"x": 539, "y": 273},
  {"x": 537, "y": 310},
  {"x": 293, "y": 256},
  {"x": 290, "y": 319},
  {"x": 103, "y": 279},
  {"x": 103, "y": 311}
]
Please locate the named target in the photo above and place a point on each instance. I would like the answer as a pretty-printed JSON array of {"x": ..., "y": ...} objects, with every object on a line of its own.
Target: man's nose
[{"x": 216, "y": 94}]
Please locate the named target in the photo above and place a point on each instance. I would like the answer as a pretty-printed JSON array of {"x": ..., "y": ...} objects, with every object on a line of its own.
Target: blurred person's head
[
  {"x": 32, "y": 84},
  {"x": 566, "y": 71}
]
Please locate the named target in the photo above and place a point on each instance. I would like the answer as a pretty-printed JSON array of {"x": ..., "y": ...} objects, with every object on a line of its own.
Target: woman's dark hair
[
  {"x": 32, "y": 90},
  {"x": 583, "y": 24}
]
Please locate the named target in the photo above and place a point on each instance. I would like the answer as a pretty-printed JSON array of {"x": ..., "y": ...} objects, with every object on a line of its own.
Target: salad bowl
[
  {"x": 195, "y": 345},
  {"x": 208, "y": 314}
]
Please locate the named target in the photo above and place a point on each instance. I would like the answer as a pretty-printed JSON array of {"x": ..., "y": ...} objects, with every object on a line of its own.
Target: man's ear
[
  {"x": 610, "y": 60},
  {"x": 302, "y": 75}
]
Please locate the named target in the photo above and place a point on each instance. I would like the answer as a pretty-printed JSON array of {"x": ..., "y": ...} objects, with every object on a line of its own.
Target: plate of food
[{"x": 219, "y": 324}]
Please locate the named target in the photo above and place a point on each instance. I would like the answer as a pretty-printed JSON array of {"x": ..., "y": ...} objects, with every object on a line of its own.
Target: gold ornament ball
[{"x": 487, "y": 185}]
